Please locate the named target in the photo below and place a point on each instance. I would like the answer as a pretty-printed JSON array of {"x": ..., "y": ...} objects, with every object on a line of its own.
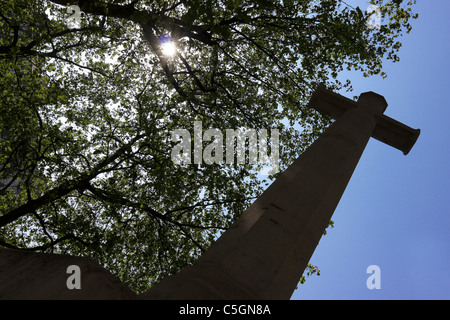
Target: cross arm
[{"x": 387, "y": 130}]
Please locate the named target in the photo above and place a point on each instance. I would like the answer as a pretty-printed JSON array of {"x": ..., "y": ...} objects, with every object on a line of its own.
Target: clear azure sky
[{"x": 395, "y": 212}]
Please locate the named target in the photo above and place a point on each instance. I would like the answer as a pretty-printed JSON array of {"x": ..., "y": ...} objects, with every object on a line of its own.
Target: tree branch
[
  {"x": 47, "y": 245},
  {"x": 79, "y": 183},
  {"x": 116, "y": 197}
]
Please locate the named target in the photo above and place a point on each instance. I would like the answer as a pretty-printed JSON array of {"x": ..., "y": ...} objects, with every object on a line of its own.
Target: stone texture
[{"x": 42, "y": 276}]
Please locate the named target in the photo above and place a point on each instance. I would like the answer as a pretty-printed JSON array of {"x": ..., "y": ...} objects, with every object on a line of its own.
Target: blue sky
[{"x": 395, "y": 212}]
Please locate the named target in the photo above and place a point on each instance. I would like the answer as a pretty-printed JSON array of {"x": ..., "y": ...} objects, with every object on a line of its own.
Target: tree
[{"x": 88, "y": 110}]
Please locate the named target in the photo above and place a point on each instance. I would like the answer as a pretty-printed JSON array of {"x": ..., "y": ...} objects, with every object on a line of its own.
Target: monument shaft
[{"x": 265, "y": 252}]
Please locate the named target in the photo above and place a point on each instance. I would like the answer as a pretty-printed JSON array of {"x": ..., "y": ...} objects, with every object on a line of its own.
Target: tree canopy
[{"x": 88, "y": 103}]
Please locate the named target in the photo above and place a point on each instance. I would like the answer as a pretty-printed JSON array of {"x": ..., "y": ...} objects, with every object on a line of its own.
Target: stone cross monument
[{"x": 264, "y": 253}]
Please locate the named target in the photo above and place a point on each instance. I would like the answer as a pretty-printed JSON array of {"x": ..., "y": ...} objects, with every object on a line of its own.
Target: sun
[{"x": 167, "y": 46}]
